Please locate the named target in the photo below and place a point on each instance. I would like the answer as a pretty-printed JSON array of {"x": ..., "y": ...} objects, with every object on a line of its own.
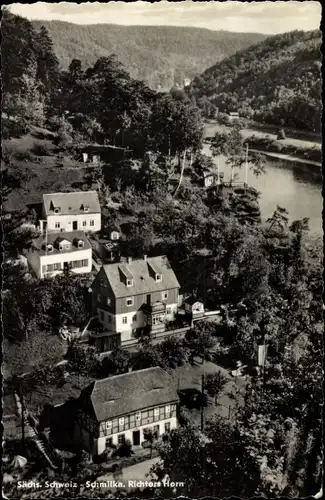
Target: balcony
[{"x": 155, "y": 317}]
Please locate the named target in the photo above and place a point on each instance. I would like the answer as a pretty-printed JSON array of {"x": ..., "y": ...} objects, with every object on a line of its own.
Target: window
[
  {"x": 165, "y": 295},
  {"x": 80, "y": 244},
  {"x": 109, "y": 318},
  {"x": 168, "y": 310},
  {"x": 124, "y": 320},
  {"x": 84, "y": 263},
  {"x": 84, "y": 223},
  {"x": 121, "y": 438},
  {"x": 92, "y": 223},
  {"x": 86, "y": 209},
  {"x": 158, "y": 277},
  {"x": 67, "y": 247},
  {"x": 156, "y": 412},
  {"x": 114, "y": 235},
  {"x": 109, "y": 302},
  {"x": 108, "y": 442},
  {"x": 138, "y": 417},
  {"x": 156, "y": 430},
  {"x": 57, "y": 225},
  {"x": 57, "y": 267},
  {"x": 134, "y": 318},
  {"x": 129, "y": 282},
  {"x": 57, "y": 210},
  {"x": 49, "y": 268},
  {"x": 50, "y": 248},
  {"x": 129, "y": 301},
  {"x": 167, "y": 409},
  {"x": 109, "y": 424},
  {"x": 167, "y": 427}
]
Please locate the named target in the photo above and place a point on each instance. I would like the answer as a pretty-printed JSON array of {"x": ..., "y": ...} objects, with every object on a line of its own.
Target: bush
[{"x": 40, "y": 150}]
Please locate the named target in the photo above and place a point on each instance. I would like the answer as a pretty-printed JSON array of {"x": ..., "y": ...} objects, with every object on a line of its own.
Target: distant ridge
[
  {"x": 276, "y": 81},
  {"x": 160, "y": 55}
]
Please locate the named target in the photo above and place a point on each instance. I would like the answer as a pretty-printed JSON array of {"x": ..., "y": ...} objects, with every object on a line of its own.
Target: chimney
[
  {"x": 129, "y": 260},
  {"x": 145, "y": 258}
]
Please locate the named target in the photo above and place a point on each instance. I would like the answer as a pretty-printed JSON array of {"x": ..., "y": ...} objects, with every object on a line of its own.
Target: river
[{"x": 296, "y": 187}]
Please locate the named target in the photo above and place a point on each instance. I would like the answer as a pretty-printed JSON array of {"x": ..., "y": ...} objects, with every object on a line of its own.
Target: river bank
[
  {"x": 293, "y": 159},
  {"x": 290, "y": 148}
]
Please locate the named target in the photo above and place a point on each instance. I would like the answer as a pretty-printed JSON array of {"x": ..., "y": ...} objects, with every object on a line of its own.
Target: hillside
[
  {"x": 277, "y": 81},
  {"x": 160, "y": 55}
]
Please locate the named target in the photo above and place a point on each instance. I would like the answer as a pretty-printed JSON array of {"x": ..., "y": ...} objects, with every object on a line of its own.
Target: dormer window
[
  {"x": 57, "y": 210},
  {"x": 80, "y": 244},
  {"x": 86, "y": 209},
  {"x": 64, "y": 246},
  {"x": 129, "y": 282},
  {"x": 49, "y": 248},
  {"x": 158, "y": 277}
]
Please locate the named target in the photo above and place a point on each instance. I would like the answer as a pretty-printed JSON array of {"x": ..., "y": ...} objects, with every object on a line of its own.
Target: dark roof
[
  {"x": 71, "y": 203},
  {"x": 55, "y": 238},
  {"x": 192, "y": 300},
  {"x": 143, "y": 279},
  {"x": 130, "y": 392}
]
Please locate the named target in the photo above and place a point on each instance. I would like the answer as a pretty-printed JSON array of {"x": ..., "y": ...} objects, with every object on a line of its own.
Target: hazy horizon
[{"x": 268, "y": 18}]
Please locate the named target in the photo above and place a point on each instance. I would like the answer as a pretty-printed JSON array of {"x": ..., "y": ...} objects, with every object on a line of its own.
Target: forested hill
[
  {"x": 160, "y": 55},
  {"x": 277, "y": 79}
]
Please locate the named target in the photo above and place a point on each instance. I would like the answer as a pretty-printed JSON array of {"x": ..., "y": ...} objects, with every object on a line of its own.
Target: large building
[
  {"x": 124, "y": 407},
  {"x": 75, "y": 211},
  {"x": 53, "y": 253},
  {"x": 131, "y": 296}
]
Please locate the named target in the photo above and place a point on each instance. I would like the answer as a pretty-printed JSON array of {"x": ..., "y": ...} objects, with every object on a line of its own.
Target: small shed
[{"x": 194, "y": 307}]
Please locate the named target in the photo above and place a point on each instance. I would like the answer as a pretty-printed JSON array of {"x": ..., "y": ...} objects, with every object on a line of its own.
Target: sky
[{"x": 263, "y": 17}]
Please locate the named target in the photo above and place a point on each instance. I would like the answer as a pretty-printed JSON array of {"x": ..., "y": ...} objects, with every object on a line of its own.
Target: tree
[
  {"x": 82, "y": 359},
  {"x": 279, "y": 218},
  {"x": 214, "y": 384},
  {"x": 214, "y": 463},
  {"x": 117, "y": 362},
  {"x": 173, "y": 352},
  {"x": 199, "y": 339},
  {"x": 231, "y": 145}
]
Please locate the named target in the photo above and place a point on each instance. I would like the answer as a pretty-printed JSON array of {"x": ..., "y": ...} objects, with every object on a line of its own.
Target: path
[{"x": 137, "y": 472}]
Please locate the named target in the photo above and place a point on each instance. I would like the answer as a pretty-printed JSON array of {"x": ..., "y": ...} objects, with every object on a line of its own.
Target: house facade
[
  {"x": 75, "y": 211},
  {"x": 124, "y": 407},
  {"x": 135, "y": 295},
  {"x": 56, "y": 252}
]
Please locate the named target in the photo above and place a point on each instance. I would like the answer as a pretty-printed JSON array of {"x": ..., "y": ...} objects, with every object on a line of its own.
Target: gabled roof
[
  {"x": 143, "y": 279},
  {"x": 130, "y": 392},
  {"x": 193, "y": 300},
  {"x": 55, "y": 238},
  {"x": 71, "y": 203}
]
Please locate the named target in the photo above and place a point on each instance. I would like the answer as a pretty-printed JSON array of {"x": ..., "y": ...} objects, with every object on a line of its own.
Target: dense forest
[
  {"x": 277, "y": 81},
  {"x": 161, "y": 56}
]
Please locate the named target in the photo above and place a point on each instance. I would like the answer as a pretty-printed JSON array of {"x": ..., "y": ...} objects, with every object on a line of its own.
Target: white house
[
  {"x": 75, "y": 211},
  {"x": 134, "y": 296},
  {"x": 56, "y": 252}
]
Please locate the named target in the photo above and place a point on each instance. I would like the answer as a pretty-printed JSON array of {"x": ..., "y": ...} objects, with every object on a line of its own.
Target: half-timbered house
[{"x": 124, "y": 407}]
